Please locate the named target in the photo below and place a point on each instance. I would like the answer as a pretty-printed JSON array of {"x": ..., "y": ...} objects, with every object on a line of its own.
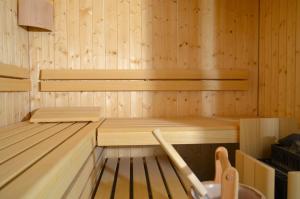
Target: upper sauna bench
[{"x": 137, "y": 131}]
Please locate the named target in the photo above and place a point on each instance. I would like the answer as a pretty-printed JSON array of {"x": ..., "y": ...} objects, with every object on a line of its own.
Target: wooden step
[{"x": 148, "y": 177}]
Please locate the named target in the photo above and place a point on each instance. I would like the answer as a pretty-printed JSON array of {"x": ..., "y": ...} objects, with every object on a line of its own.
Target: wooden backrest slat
[
  {"x": 23, "y": 135},
  {"x": 23, "y": 145},
  {"x": 122, "y": 190},
  {"x": 174, "y": 185},
  {"x": 18, "y": 164},
  {"x": 104, "y": 189},
  {"x": 158, "y": 188},
  {"x": 141, "y": 85},
  {"x": 15, "y": 85},
  {"x": 12, "y": 71},
  {"x": 143, "y": 74}
]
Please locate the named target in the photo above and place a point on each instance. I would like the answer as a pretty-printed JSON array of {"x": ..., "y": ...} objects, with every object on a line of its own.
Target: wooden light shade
[{"x": 36, "y": 13}]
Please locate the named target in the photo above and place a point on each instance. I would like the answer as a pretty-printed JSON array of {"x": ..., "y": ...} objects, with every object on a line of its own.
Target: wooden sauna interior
[{"x": 221, "y": 66}]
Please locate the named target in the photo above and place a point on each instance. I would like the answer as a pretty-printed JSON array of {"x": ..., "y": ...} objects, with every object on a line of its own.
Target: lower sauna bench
[
  {"x": 49, "y": 160},
  {"x": 140, "y": 177}
]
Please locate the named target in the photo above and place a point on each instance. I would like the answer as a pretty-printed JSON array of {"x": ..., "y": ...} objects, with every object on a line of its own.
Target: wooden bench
[
  {"x": 49, "y": 160},
  {"x": 135, "y": 131},
  {"x": 140, "y": 177}
]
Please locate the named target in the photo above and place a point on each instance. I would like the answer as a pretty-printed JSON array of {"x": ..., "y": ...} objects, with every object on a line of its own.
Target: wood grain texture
[
  {"x": 256, "y": 174},
  {"x": 116, "y": 132},
  {"x": 12, "y": 71},
  {"x": 150, "y": 35},
  {"x": 279, "y": 58},
  {"x": 14, "y": 51},
  {"x": 57, "y": 168},
  {"x": 36, "y": 13},
  {"x": 94, "y": 85},
  {"x": 126, "y": 74},
  {"x": 14, "y": 85},
  {"x": 66, "y": 114}
]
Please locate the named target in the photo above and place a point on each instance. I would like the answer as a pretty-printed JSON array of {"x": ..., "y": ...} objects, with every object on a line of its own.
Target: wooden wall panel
[
  {"x": 151, "y": 34},
  {"x": 279, "y": 58},
  {"x": 13, "y": 50}
]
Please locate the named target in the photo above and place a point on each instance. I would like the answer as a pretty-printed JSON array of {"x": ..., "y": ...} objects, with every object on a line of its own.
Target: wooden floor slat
[
  {"x": 122, "y": 190},
  {"x": 15, "y": 131},
  {"x": 106, "y": 183},
  {"x": 139, "y": 179},
  {"x": 16, "y": 165},
  {"x": 173, "y": 183},
  {"x": 158, "y": 188},
  {"x": 23, "y": 135},
  {"x": 15, "y": 149}
]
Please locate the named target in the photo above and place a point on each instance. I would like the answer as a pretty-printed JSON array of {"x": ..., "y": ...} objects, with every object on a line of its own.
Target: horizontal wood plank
[
  {"x": 125, "y": 132},
  {"x": 51, "y": 175},
  {"x": 14, "y": 85},
  {"x": 12, "y": 71},
  {"x": 66, "y": 114},
  {"x": 18, "y": 164},
  {"x": 142, "y": 74},
  {"x": 138, "y": 85}
]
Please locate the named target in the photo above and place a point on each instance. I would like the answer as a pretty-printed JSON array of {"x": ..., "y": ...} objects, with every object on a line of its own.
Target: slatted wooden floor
[
  {"x": 33, "y": 157},
  {"x": 138, "y": 131},
  {"x": 140, "y": 178}
]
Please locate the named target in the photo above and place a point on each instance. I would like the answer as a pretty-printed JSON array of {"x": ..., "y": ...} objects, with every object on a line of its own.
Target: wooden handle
[
  {"x": 180, "y": 164},
  {"x": 230, "y": 184},
  {"x": 221, "y": 163}
]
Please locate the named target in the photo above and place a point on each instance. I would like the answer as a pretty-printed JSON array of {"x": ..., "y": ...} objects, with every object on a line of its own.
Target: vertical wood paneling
[
  {"x": 148, "y": 34},
  {"x": 279, "y": 58},
  {"x": 14, "y": 106}
]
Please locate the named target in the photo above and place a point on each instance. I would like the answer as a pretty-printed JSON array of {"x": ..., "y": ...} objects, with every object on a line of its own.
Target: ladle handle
[{"x": 180, "y": 164}]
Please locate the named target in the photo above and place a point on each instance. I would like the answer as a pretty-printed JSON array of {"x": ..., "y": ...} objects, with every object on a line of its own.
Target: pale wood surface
[
  {"x": 18, "y": 147},
  {"x": 148, "y": 35},
  {"x": 279, "y": 58},
  {"x": 139, "y": 179},
  {"x": 176, "y": 131},
  {"x": 99, "y": 85},
  {"x": 180, "y": 164},
  {"x": 14, "y": 51},
  {"x": 122, "y": 190},
  {"x": 155, "y": 179},
  {"x": 91, "y": 164},
  {"x": 36, "y": 13},
  {"x": 18, "y": 164},
  {"x": 53, "y": 173},
  {"x": 142, "y": 74},
  {"x": 12, "y": 71},
  {"x": 173, "y": 183},
  {"x": 104, "y": 189},
  {"x": 157, "y": 170},
  {"x": 256, "y": 174},
  {"x": 293, "y": 185},
  {"x": 66, "y": 114},
  {"x": 257, "y": 134},
  {"x": 14, "y": 85}
]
